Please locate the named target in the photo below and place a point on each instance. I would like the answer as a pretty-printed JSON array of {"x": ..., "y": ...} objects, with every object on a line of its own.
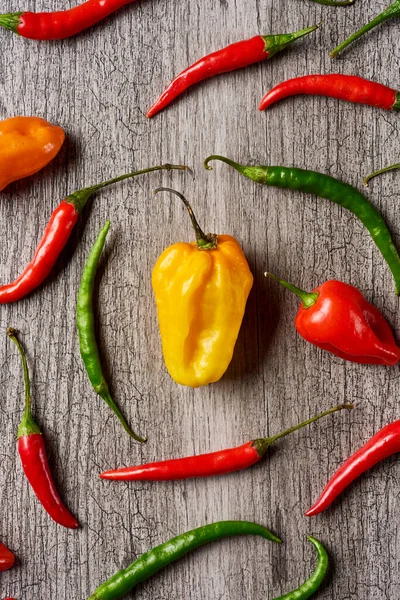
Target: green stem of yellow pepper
[{"x": 204, "y": 241}]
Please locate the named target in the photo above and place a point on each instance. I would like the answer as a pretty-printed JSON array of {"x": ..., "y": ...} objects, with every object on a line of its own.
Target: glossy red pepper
[
  {"x": 7, "y": 558},
  {"x": 337, "y": 318},
  {"x": 34, "y": 458},
  {"x": 61, "y": 24},
  {"x": 56, "y": 235},
  {"x": 343, "y": 87},
  {"x": 208, "y": 465},
  {"x": 382, "y": 445},
  {"x": 232, "y": 57}
]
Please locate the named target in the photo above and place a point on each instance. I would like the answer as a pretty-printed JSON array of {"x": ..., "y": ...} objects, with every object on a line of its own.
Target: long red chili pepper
[
  {"x": 207, "y": 465},
  {"x": 56, "y": 235},
  {"x": 232, "y": 57},
  {"x": 33, "y": 455},
  {"x": 382, "y": 445},
  {"x": 7, "y": 558},
  {"x": 344, "y": 87},
  {"x": 61, "y": 24}
]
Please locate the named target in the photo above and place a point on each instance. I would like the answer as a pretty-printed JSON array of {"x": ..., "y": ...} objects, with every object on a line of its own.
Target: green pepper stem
[
  {"x": 391, "y": 11},
  {"x": 204, "y": 241},
  {"x": 262, "y": 444},
  {"x": 257, "y": 174},
  {"x": 384, "y": 170},
  {"x": 333, "y": 3},
  {"x": 79, "y": 198},
  {"x": 308, "y": 298},
  {"x": 276, "y": 43},
  {"x": 27, "y": 426},
  {"x": 228, "y": 161},
  {"x": 11, "y": 21}
]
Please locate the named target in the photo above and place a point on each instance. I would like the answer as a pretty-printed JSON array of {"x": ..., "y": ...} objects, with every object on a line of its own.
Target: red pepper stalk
[
  {"x": 382, "y": 445},
  {"x": 337, "y": 318},
  {"x": 56, "y": 235},
  {"x": 7, "y": 558},
  {"x": 232, "y": 57},
  {"x": 33, "y": 455},
  {"x": 208, "y": 465}
]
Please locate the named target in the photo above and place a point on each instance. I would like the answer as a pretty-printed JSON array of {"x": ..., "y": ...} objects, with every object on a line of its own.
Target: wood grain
[{"x": 98, "y": 87}]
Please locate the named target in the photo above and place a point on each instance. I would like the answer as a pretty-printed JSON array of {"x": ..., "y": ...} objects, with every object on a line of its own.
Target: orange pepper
[
  {"x": 27, "y": 144},
  {"x": 201, "y": 289}
]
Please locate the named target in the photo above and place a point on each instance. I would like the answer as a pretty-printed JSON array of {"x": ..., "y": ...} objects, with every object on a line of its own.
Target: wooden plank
[{"x": 98, "y": 87}]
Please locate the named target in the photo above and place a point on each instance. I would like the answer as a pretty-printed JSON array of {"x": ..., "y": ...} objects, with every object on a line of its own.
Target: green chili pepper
[
  {"x": 159, "y": 557},
  {"x": 86, "y": 329},
  {"x": 332, "y": 189},
  {"x": 311, "y": 585}
]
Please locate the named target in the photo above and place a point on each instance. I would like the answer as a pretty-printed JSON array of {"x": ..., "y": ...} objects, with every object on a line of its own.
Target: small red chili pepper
[
  {"x": 33, "y": 455},
  {"x": 7, "y": 558},
  {"x": 337, "y": 318},
  {"x": 232, "y": 57},
  {"x": 56, "y": 235},
  {"x": 382, "y": 445},
  {"x": 344, "y": 87},
  {"x": 61, "y": 24},
  {"x": 208, "y": 465}
]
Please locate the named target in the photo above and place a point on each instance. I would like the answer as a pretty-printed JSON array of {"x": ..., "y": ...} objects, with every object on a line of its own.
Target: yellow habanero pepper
[
  {"x": 27, "y": 144},
  {"x": 201, "y": 289}
]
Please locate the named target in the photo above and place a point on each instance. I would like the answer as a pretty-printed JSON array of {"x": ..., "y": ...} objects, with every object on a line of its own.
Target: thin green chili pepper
[
  {"x": 86, "y": 330},
  {"x": 311, "y": 585},
  {"x": 332, "y": 189},
  {"x": 159, "y": 557}
]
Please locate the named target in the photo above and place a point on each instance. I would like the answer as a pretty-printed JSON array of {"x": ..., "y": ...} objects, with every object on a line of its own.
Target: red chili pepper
[
  {"x": 61, "y": 24},
  {"x": 207, "y": 465},
  {"x": 232, "y": 57},
  {"x": 7, "y": 558},
  {"x": 344, "y": 87},
  {"x": 33, "y": 455},
  {"x": 382, "y": 445},
  {"x": 336, "y": 317},
  {"x": 56, "y": 235}
]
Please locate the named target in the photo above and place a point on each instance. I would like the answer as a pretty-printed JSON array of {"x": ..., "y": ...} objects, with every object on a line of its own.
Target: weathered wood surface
[{"x": 98, "y": 86}]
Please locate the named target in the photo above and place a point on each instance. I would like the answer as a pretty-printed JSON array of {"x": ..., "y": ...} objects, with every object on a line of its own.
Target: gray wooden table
[{"x": 98, "y": 87}]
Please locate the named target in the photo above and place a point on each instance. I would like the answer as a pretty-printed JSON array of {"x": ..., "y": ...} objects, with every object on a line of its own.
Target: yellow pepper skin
[
  {"x": 201, "y": 297},
  {"x": 27, "y": 144}
]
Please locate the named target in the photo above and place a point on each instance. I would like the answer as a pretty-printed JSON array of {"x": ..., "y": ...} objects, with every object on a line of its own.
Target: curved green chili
[
  {"x": 159, "y": 557},
  {"x": 86, "y": 329},
  {"x": 332, "y": 189},
  {"x": 311, "y": 585}
]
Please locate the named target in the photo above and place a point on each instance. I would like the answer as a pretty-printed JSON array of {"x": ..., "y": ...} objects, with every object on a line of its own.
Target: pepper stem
[
  {"x": 333, "y": 3},
  {"x": 263, "y": 444},
  {"x": 308, "y": 298},
  {"x": 258, "y": 174},
  {"x": 384, "y": 170},
  {"x": 79, "y": 198},
  {"x": 276, "y": 43},
  {"x": 27, "y": 426},
  {"x": 204, "y": 241},
  {"x": 391, "y": 11},
  {"x": 11, "y": 21}
]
